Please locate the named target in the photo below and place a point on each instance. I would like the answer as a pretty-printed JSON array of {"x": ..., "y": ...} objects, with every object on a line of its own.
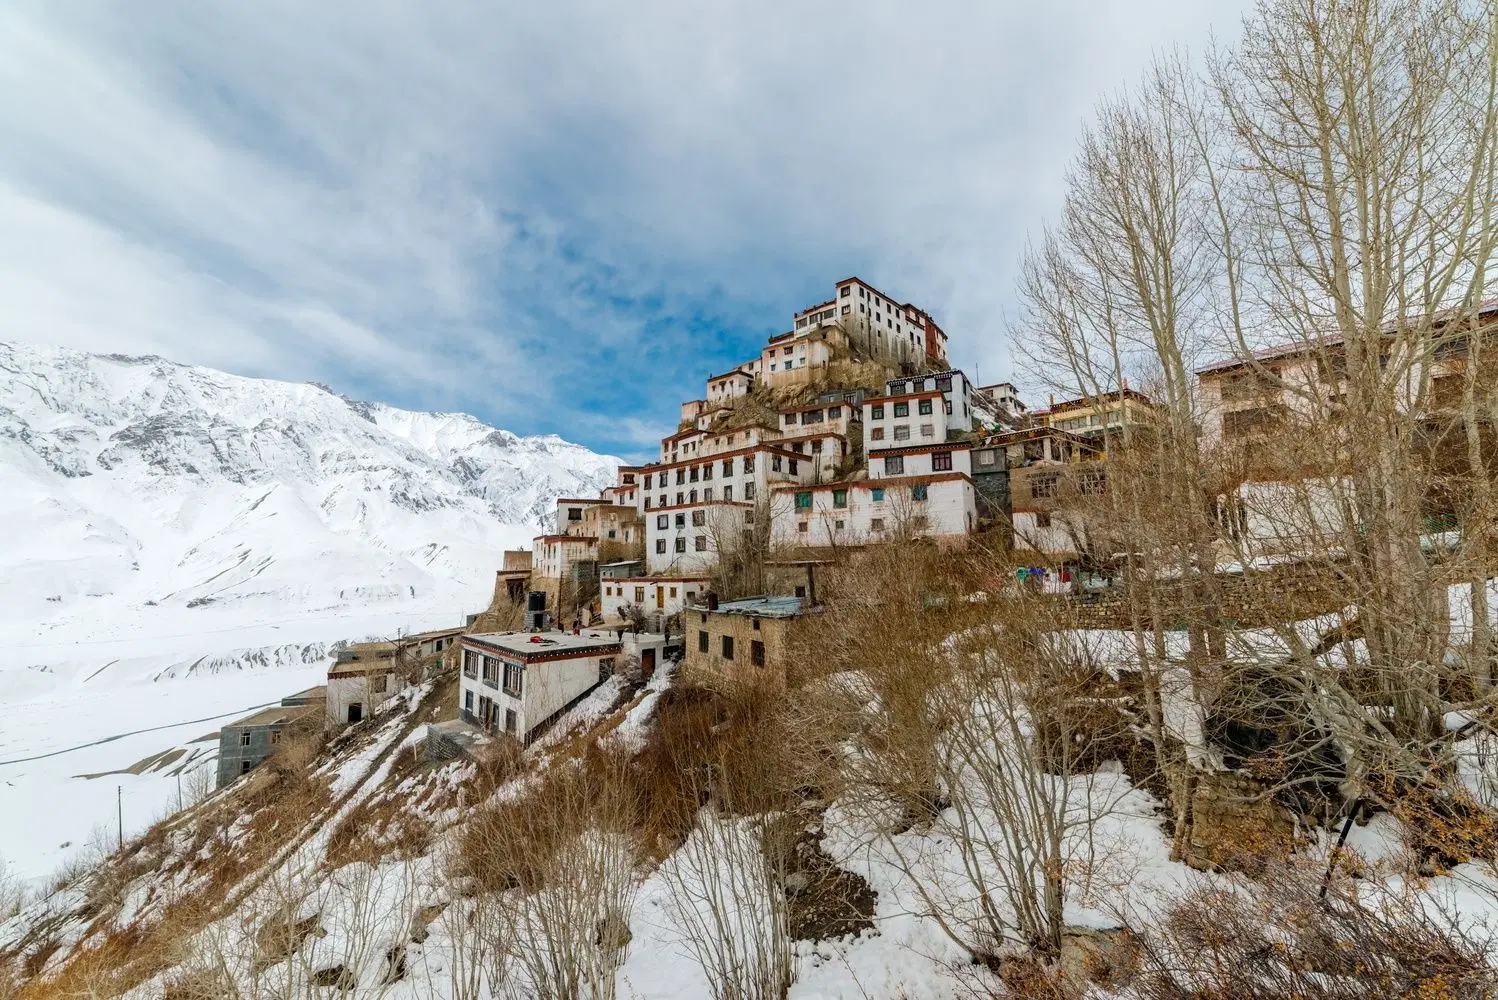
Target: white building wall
[
  {"x": 344, "y": 692},
  {"x": 664, "y": 595},
  {"x": 551, "y": 684},
  {"x": 921, "y": 463},
  {"x": 874, "y": 512}
]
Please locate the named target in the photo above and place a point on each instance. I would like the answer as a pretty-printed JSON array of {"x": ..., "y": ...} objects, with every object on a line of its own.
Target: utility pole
[{"x": 119, "y": 813}]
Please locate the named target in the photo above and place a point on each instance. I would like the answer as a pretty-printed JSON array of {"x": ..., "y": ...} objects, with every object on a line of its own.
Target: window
[
  {"x": 660, "y": 546},
  {"x": 663, "y": 521},
  {"x": 702, "y": 640},
  {"x": 941, "y": 461},
  {"x": 845, "y": 292},
  {"x": 244, "y": 738},
  {"x": 681, "y": 520},
  {"x": 811, "y": 417},
  {"x": 803, "y": 500},
  {"x": 927, "y": 430},
  {"x": 791, "y": 466},
  {"x": 1044, "y": 486},
  {"x": 803, "y": 527},
  {"x": 816, "y": 446},
  {"x": 378, "y": 684},
  {"x": 512, "y": 721},
  {"x": 847, "y": 309},
  {"x": 1043, "y": 519},
  {"x": 728, "y": 647},
  {"x": 837, "y": 525},
  {"x": 514, "y": 679},
  {"x": 876, "y": 524},
  {"x": 468, "y": 702},
  {"x": 790, "y": 418},
  {"x": 574, "y": 513},
  {"x": 896, "y": 388},
  {"x": 707, "y": 495},
  {"x": 774, "y": 463},
  {"x": 701, "y": 546},
  {"x": 681, "y": 497},
  {"x": 728, "y": 493},
  {"x": 902, "y": 409},
  {"x": 699, "y": 518},
  {"x": 923, "y": 407},
  {"x": 491, "y": 671},
  {"x": 894, "y": 465},
  {"x": 728, "y": 467},
  {"x": 681, "y": 476},
  {"x": 918, "y": 492},
  {"x": 902, "y": 432},
  {"x": 878, "y": 494},
  {"x": 834, "y": 412},
  {"x": 662, "y": 501},
  {"x": 797, "y": 447},
  {"x": 471, "y": 663},
  {"x": 749, "y": 516},
  {"x": 756, "y": 652},
  {"x": 748, "y": 491},
  {"x": 944, "y": 383},
  {"x": 876, "y": 434},
  {"x": 755, "y": 623},
  {"x": 748, "y": 463},
  {"x": 695, "y": 474},
  {"x": 877, "y": 412},
  {"x": 985, "y": 458},
  {"x": 681, "y": 544},
  {"x": 244, "y": 767},
  {"x": 647, "y": 503},
  {"x": 839, "y": 498}
]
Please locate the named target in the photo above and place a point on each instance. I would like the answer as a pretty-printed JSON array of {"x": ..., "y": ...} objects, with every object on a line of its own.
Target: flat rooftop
[
  {"x": 757, "y": 607},
  {"x": 279, "y": 714},
  {"x": 546, "y": 643}
]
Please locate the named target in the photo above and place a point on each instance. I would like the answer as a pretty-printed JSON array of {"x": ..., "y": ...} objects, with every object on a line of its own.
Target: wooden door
[{"x": 647, "y": 663}]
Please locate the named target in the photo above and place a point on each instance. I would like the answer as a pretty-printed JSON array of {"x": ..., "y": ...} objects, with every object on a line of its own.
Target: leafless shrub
[
  {"x": 726, "y": 886},
  {"x": 1277, "y": 936}
]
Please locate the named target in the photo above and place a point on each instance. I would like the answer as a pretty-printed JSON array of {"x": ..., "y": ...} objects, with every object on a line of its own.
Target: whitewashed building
[
  {"x": 515, "y": 682},
  {"x": 655, "y": 595}
]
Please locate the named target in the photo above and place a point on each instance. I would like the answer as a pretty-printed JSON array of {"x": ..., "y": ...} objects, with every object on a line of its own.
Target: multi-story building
[
  {"x": 926, "y": 409},
  {"x": 565, "y": 569},
  {"x": 516, "y": 682},
  {"x": 698, "y": 507},
  {"x": 742, "y": 641},
  {"x": 877, "y": 325},
  {"x": 656, "y": 596},
  {"x": 826, "y": 432},
  {"x": 1100, "y": 419}
]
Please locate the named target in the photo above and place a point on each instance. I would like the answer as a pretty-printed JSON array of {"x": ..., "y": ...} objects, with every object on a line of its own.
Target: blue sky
[{"x": 557, "y": 216}]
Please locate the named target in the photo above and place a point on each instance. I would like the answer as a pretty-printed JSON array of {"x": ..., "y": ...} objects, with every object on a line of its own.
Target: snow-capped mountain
[{"x": 133, "y": 483}]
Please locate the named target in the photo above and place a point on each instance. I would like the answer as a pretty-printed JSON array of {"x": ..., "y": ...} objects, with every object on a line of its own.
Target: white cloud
[{"x": 405, "y": 195}]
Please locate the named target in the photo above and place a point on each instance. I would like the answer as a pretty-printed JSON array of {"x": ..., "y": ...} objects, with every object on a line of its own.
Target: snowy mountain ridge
[{"x": 141, "y": 481}]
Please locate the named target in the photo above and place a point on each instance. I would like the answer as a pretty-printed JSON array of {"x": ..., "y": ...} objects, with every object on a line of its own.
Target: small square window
[
  {"x": 877, "y": 494},
  {"x": 924, "y": 407},
  {"x": 918, "y": 492},
  {"x": 876, "y": 524},
  {"x": 877, "y": 412}
]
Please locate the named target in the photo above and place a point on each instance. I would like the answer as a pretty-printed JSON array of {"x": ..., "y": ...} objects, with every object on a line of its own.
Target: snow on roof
[
  {"x": 545, "y": 643},
  {"x": 759, "y": 607}
]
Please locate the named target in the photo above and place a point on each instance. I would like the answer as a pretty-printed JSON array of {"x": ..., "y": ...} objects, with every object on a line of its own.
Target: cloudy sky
[{"x": 560, "y": 215}]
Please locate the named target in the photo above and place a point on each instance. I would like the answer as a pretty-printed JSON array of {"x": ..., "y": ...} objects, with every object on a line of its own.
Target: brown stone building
[{"x": 744, "y": 640}]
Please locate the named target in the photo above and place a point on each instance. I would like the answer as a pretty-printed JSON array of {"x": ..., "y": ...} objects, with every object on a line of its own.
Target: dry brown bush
[{"x": 1277, "y": 936}]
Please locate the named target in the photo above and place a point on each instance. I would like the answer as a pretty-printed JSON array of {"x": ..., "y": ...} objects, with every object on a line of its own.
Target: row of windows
[
  {"x": 894, "y": 465},
  {"x": 725, "y": 647},
  {"x": 639, "y": 592},
  {"x": 876, "y": 495},
  {"x": 690, "y": 496},
  {"x": 490, "y": 667},
  {"x": 916, "y": 522},
  {"x": 701, "y": 472},
  {"x": 815, "y": 416},
  {"x": 923, "y": 407},
  {"x": 943, "y": 384},
  {"x": 902, "y": 432},
  {"x": 699, "y": 544}
]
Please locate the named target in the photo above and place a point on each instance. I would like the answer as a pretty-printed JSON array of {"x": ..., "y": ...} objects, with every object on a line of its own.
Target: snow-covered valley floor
[{"x": 117, "y": 694}]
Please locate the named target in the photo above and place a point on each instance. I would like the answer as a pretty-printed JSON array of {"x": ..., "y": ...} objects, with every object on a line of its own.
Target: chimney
[{"x": 712, "y": 601}]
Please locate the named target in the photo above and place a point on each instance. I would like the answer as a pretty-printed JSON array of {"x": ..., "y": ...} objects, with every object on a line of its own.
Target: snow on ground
[{"x": 120, "y": 693}]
